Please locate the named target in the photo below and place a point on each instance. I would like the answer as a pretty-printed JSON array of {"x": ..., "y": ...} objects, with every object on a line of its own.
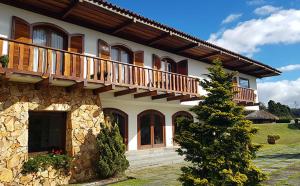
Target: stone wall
[{"x": 84, "y": 115}]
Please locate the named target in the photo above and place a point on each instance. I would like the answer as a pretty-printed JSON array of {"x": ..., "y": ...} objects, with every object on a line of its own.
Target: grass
[
  {"x": 283, "y": 165},
  {"x": 288, "y": 133}
]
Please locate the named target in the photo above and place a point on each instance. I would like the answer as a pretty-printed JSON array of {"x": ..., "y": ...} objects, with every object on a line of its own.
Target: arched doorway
[
  {"x": 121, "y": 119},
  {"x": 151, "y": 129},
  {"x": 176, "y": 116}
]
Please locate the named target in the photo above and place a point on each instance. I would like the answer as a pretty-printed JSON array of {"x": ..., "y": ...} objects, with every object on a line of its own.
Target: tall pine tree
[{"x": 219, "y": 146}]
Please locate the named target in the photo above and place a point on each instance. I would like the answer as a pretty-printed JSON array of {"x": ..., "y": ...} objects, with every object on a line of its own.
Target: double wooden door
[{"x": 151, "y": 129}]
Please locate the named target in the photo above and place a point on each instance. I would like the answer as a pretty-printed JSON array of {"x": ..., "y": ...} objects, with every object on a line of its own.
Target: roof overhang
[{"x": 107, "y": 18}]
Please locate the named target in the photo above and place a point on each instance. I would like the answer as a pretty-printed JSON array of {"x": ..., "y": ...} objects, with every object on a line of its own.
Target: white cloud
[
  {"x": 247, "y": 37},
  {"x": 266, "y": 10},
  {"x": 256, "y": 2},
  {"x": 289, "y": 68},
  {"x": 231, "y": 18},
  {"x": 285, "y": 91}
]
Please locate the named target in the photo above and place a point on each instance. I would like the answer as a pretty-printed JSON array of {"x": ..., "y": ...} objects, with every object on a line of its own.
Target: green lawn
[
  {"x": 281, "y": 161},
  {"x": 288, "y": 133}
]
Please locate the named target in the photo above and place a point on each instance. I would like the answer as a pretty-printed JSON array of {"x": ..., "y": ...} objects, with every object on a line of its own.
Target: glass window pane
[
  {"x": 124, "y": 57},
  {"x": 145, "y": 130},
  {"x": 114, "y": 54},
  {"x": 158, "y": 129},
  {"x": 244, "y": 83}
]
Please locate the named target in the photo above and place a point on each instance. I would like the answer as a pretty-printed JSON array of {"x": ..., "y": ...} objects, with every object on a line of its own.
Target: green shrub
[
  {"x": 42, "y": 162},
  {"x": 4, "y": 60},
  {"x": 284, "y": 120},
  {"x": 273, "y": 138},
  {"x": 296, "y": 121},
  {"x": 111, "y": 160}
]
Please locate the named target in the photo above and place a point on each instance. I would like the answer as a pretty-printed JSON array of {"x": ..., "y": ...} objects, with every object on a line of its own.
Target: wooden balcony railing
[
  {"x": 246, "y": 95},
  {"x": 38, "y": 60}
]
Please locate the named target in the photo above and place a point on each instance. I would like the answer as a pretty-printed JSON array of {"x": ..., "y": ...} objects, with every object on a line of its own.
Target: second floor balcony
[
  {"x": 43, "y": 65},
  {"x": 34, "y": 64}
]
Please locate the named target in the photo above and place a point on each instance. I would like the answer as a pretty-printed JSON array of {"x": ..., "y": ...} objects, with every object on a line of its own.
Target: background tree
[
  {"x": 111, "y": 159},
  {"x": 219, "y": 146},
  {"x": 280, "y": 110}
]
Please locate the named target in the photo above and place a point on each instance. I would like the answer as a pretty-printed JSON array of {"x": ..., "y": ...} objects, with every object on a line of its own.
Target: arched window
[
  {"x": 177, "y": 116},
  {"x": 151, "y": 129},
  {"x": 168, "y": 65},
  {"x": 122, "y": 54},
  {"x": 119, "y": 117},
  {"x": 49, "y": 36}
]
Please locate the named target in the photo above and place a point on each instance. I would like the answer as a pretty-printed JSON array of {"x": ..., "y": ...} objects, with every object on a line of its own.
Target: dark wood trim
[
  {"x": 196, "y": 98},
  {"x": 209, "y": 55},
  {"x": 44, "y": 83},
  {"x": 152, "y": 145},
  {"x": 187, "y": 47},
  {"x": 104, "y": 89},
  {"x": 123, "y": 26},
  {"x": 124, "y": 92},
  {"x": 179, "y": 97},
  {"x": 159, "y": 38},
  {"x": 72, "y": 6},
  {"x": 125, "y": 115},
  {"x": 161, "y": 96},
  {"x": 77, "y": 85},
  {"x": 145, "y": 94}
]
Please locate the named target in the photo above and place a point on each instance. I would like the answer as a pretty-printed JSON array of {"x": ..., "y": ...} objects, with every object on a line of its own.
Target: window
[
  {"x": 177, "y": 116},
  {"x": 122, "y": 54},
  {"x": 151, "y": 129},
  {"x": 120, "y": 118},
  {"x": 244, "y": 83},
  {"x": 47, "y": 131},
  {"x": 168, "y": 65},
  {"x": 48, "y": 36}
]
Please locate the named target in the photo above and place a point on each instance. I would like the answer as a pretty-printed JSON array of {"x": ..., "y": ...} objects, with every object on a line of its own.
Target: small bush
[
  {"x": 111, "y": 160},
  {"x": 296, "y": 121},
  {"x": 42, "y": 162},
  {"x": 273, "y": 138},
  {"x": 284, "y": 120},
  {"x": 4, "y": 60}
]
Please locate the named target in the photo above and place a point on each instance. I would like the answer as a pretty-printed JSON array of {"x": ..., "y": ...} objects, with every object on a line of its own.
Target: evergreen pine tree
[
  {"x": 219, "y": 146},
  {"x": 111, "y": 159}
]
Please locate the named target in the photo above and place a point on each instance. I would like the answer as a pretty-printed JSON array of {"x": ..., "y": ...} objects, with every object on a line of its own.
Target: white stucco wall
[{"x": 129, "y": 105}]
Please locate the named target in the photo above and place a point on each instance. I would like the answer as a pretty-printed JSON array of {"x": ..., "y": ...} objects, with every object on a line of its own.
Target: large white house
[{"x": 74, "y": 63}]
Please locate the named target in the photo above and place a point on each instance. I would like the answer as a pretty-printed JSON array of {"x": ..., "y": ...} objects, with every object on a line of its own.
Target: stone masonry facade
[{"x": 84, "y": 115}]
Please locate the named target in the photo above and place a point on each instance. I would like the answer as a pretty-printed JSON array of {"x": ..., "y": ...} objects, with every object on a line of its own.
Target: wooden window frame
[
  {"x": 123, "y": 114},
  {"x": 179, "y": 113},
  {"x": 63, "y": 131},
  {"x": 152, "y": 145},
  {"x": 241, "y": 78},
  {"x": 122, "y": 48}
]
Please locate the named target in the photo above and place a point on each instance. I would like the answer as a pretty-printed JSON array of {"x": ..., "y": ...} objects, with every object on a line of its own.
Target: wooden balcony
[
  {"x": 244, "y": 96},
  {"x": 36, "y": 64}
]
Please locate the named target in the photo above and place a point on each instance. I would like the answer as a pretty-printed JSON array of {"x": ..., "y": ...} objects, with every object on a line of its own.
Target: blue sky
[{"x": 266, "y": 30}]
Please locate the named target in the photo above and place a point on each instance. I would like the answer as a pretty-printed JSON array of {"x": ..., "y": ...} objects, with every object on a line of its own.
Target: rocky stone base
[
  {"x": 50, "y": 177},
  {"x": 84, "y": 115}
]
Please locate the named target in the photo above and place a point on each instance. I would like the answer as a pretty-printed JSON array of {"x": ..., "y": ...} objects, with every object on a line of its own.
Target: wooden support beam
[
  {"x": 104, "y": 89},
  {"x": 124, "y": 92},
  {"x": 180, "y": 97},
  {"x": 187, "y": 47},
  {"x": 77, "y": 85},
  {"x": 72, "y": 6},
  {"x": 161, "y": 96},
  {"x": 123, "y": 26},
  {"x": 196, "y": 98},
  {"x": 209, "y": 55},
  {"x": 44, "y": 83},
  {"x": 159, "y": 38},
  {"x": 144, "y": 94}
]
